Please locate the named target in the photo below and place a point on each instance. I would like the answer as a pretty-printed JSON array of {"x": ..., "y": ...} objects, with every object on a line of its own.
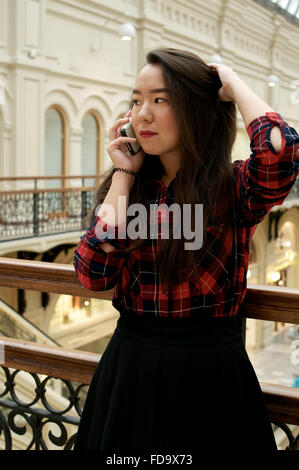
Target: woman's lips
[{"x": 147, "y": 134}]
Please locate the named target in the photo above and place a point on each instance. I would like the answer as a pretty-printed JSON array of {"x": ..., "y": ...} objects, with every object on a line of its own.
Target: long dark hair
[{"x": 208, "y": 131}]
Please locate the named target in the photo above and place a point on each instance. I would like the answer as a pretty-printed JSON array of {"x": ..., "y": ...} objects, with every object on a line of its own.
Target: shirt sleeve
[
  {"x": 96, "y": 269},
  {"x": 265, "y": 179}
]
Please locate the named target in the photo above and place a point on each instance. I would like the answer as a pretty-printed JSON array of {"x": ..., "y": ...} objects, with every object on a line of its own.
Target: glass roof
[{"x": 290, "y": 6}]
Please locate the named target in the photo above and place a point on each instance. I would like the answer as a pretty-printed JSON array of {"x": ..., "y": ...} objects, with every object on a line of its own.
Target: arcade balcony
[{"x": 42, "y": 370}]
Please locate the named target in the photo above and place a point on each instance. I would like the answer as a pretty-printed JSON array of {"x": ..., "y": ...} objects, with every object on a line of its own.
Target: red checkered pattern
[{"x": 262, "y": 181}]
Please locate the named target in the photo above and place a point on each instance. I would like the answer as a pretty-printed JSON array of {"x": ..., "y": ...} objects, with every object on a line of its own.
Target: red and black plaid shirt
[{"x": 261, "y": 182}]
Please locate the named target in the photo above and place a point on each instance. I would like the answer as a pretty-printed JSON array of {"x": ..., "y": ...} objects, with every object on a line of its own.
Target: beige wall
[{"x": 82, "y": 64}]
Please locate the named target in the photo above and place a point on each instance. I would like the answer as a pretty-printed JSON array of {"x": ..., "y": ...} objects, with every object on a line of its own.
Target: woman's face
[{"x": 153, "y": 118}]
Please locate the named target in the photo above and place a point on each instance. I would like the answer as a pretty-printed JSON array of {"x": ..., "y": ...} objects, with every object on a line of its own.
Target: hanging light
[
  {"x": 216, "y": 58},
  {"x": 273, "y": 276},
  {"x": 127, "y": 31},
  {"x": 32, "y": 53},
  {"x": 272, "y": 80}
]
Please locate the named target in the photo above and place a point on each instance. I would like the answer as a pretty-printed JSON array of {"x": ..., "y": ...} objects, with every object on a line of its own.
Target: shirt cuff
[
  {"x": 104, "y": 233},
  {"x": 272, "y": 117}
]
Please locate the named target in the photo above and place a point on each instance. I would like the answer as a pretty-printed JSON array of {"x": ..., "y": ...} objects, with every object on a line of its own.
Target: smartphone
[{"x": 128, "y": 131}]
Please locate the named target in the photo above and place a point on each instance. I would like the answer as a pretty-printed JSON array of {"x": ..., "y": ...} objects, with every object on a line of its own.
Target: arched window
[
  {"x": 54, "y": 157},
  {"x": 90, "y": 164}
]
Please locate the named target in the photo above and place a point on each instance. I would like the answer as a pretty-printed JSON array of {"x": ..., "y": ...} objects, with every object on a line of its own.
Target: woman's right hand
[{"x": 118, "y": 150}]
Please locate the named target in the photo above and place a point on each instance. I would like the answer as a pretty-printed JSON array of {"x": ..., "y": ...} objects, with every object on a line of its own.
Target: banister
[
  {"x": 261, "y": 302},
  {"x": 282, "y": 402},
  {"x": 49, "y": 360},
  {"x": 272, "y": 303},
  {"x": 45, "y": 191},
  {"x": 79, "y": 366},
  {"x": 46, "y": 277},
  {"x": 54, "y": 177}
]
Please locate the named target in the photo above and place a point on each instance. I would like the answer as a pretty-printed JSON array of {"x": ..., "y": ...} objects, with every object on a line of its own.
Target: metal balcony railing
[
  {"x": 35, "y": 212},
  {"x": 45, "y": 427},
  {"x": 42, "y": 210}
]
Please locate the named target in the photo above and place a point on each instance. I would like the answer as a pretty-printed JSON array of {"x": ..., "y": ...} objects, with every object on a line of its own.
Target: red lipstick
[{"x": 146, "y": 133}]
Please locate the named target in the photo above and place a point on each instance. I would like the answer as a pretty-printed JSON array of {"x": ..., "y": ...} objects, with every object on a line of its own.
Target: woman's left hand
[{"x": 228, "y": 78}]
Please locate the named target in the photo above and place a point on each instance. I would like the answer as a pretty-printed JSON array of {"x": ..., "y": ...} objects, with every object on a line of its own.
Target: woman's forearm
[
  {"x": 121, "y": 185},
  {"x": 251, "y": 107},
  {"x": 111, "y": 211}
]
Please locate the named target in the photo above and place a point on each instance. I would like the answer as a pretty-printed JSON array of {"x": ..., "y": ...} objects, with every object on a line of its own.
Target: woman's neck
[
  {"x": 166, "y": 180},
  {"x": 171, "y": 165}
]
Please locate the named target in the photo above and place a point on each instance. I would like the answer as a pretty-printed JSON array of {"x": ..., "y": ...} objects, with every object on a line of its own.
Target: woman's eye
[{"x": 157, "y": 100}]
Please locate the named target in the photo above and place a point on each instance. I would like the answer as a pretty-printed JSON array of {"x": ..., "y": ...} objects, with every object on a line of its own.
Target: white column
[
  {"x": 74, "y": 164},
  {"x": 106, "y": 161},
  {"x": 8, "y": 164}
]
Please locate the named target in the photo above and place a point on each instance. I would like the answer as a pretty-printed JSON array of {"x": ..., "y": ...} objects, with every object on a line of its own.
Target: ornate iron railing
[
  {"x": 41, "y": 425},
  {"x": 48, "y": 427},
  {"x": 36, "y": 212},
  {"x": 37, "y": 419}
]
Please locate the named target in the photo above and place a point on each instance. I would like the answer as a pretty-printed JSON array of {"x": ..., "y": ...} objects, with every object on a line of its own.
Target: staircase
[{"x": 13, "y": 325}]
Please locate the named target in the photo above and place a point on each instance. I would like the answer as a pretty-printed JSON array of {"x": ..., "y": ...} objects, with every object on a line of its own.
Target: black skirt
[{"x": 165, "y": 385}]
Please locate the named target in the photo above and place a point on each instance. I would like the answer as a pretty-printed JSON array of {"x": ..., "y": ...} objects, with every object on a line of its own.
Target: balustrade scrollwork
[
  {"x": 30, "y": 214},
  {"x": 34, "y": 417}
]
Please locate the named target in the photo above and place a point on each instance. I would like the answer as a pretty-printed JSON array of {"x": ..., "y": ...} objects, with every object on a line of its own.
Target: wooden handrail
[
  {"x": 282, "y": 402},
  {"x": 79, "y": 366},
  {"x": 45, "y": 277},
  {"x": 261, "y": 302},
  {"x": 50, "y": 190},
  {"x": 28, "y": 178},
  {"x": 54, "y": 361},
  {"x": 46, "y": 178},
  {"x": 272, "y": 303}
]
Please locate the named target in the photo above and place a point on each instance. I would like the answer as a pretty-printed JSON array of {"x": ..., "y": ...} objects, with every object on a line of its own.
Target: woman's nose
[{"x": 145, "y": 112}]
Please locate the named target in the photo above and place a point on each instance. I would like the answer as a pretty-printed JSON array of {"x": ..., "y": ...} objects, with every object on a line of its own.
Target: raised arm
[
  {"x": 266, "y": 178},
  {"x": 250, "y": 105}
]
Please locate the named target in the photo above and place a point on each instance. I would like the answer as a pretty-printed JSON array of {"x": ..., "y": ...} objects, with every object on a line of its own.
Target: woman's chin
[{"x": 150, "y": 149}]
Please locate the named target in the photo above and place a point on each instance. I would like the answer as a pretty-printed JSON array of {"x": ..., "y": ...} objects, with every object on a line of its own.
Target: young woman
[{"x": 175, "y": 374}]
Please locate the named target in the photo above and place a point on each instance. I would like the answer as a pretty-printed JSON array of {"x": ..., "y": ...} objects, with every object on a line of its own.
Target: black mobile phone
[{"x": 128, "y": 131}]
